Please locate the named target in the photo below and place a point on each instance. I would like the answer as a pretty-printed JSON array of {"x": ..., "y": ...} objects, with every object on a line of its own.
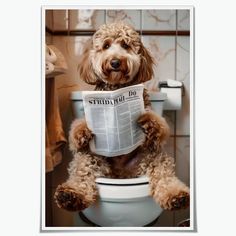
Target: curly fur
[{"x": 122, "y": 42}]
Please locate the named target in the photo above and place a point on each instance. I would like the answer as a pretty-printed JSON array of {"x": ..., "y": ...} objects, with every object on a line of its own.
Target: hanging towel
[
  {"x": 54, "y": 134},
  {"x": 55, "y": 137}
]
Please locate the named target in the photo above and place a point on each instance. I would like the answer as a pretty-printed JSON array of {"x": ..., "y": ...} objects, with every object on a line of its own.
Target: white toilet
[{"x": 122, "y": 202}]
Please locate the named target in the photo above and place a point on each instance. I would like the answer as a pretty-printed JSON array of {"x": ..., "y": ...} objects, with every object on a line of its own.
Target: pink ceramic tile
[
  {"x": 60, "y": 19},
  {"x": 72, "y": 48},
  {"x": 49, "y": 19},
  {"x": 48, "y": 38}
]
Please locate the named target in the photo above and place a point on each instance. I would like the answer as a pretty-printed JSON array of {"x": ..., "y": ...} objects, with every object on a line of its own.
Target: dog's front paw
[
  {"x": 80, "y": 135},
  {"x": 155, "y": 128},
  {"x": 68, "y": 199}
]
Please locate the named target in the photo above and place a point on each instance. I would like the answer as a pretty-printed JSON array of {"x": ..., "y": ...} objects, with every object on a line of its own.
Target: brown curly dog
[{"x": 115, "y": 59}]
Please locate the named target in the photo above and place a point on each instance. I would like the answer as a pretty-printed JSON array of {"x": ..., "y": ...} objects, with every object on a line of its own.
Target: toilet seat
[
  {"x": 132, "y": 181},
  {"x": 123, "y": 189}
]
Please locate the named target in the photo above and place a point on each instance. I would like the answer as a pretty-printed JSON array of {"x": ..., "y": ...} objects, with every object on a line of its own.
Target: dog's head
[{"x": 116, "y": 55}]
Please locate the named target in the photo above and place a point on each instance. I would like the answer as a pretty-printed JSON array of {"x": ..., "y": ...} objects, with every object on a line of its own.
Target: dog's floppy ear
[
  {"x": 145, "y": 72},
  {"x": 85, "y": 66}
]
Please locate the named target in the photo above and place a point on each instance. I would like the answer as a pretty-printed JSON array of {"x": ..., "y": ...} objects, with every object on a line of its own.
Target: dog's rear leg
[
  {"x": 80, "y": 191},
  {"x": 166, "y": 188}
]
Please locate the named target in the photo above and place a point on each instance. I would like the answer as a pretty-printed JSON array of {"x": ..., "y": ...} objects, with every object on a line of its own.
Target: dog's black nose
[{"x": 115, "y": 63}]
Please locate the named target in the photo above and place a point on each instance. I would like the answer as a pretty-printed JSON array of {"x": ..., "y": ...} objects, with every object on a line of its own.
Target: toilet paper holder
[{"x": 174, "y": 90}]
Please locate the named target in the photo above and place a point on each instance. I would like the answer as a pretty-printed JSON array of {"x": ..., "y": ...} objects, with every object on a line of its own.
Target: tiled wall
[{"x": 172, "y": 55}]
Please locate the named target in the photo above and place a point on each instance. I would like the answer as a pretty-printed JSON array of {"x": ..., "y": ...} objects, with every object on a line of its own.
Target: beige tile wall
[
  {"x": 172, "y": 55},
  {"x": 159, "y": 19},
  {"x": 183, "y": 75},
  {"x": 183, "y": 19},
  {"x": 162, "y": 49},
  {"x": 79, "y": 19},
  {"x": 131, "y": 17}
]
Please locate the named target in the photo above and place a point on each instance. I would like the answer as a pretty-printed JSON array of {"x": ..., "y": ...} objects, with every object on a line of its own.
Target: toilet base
[{"x": 87, "y": 221}]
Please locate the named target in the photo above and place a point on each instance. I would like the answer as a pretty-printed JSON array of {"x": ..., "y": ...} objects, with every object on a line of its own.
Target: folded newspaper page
[{"x": 112, "y": 117}]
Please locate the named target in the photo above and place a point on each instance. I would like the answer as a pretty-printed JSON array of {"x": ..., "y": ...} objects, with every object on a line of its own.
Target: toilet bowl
[{"x": 122, "y": 202}]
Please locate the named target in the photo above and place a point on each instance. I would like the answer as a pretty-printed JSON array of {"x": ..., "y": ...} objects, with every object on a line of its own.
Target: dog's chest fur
[{"x": 125, "y": 166}]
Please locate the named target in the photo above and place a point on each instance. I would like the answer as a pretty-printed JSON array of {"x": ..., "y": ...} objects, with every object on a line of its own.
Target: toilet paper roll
[
  {"x": 174, "y": 98},
  {"x": 50, "y": 55}
]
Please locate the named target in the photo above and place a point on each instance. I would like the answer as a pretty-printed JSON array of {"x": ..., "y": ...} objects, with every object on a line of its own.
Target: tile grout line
[
  {"x": 175, "y": 113},
  {"x": 105, "y": 16},
  {"x": 175, "y": 77},
  {"x": 52, "y": 20},
  {"x": 141, "y": 23},
  {"x": 68, "y": 21}
]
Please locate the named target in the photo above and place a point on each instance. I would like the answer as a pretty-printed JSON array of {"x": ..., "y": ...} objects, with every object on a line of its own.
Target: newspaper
[{"x": 112, "y": 117}]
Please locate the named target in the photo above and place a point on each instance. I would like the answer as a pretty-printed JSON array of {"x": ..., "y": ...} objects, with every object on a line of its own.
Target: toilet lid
[
  {"x": 132, "y": 181},
  {"x": 76, "y": 95}
]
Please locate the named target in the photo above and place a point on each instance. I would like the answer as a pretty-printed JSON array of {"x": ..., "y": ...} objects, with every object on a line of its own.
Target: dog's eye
[
  {"x": 124, "y": 45},
  {"x": 106, "y": 46}
]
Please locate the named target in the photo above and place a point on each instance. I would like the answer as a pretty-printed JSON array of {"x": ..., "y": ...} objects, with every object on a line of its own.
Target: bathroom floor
[{"x": 81, "y": 221}]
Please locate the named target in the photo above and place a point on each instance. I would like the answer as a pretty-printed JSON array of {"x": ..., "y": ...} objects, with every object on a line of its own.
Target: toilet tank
[
  {"x": 157, "y": 101},
  {"x": 77, "y": 104}
]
